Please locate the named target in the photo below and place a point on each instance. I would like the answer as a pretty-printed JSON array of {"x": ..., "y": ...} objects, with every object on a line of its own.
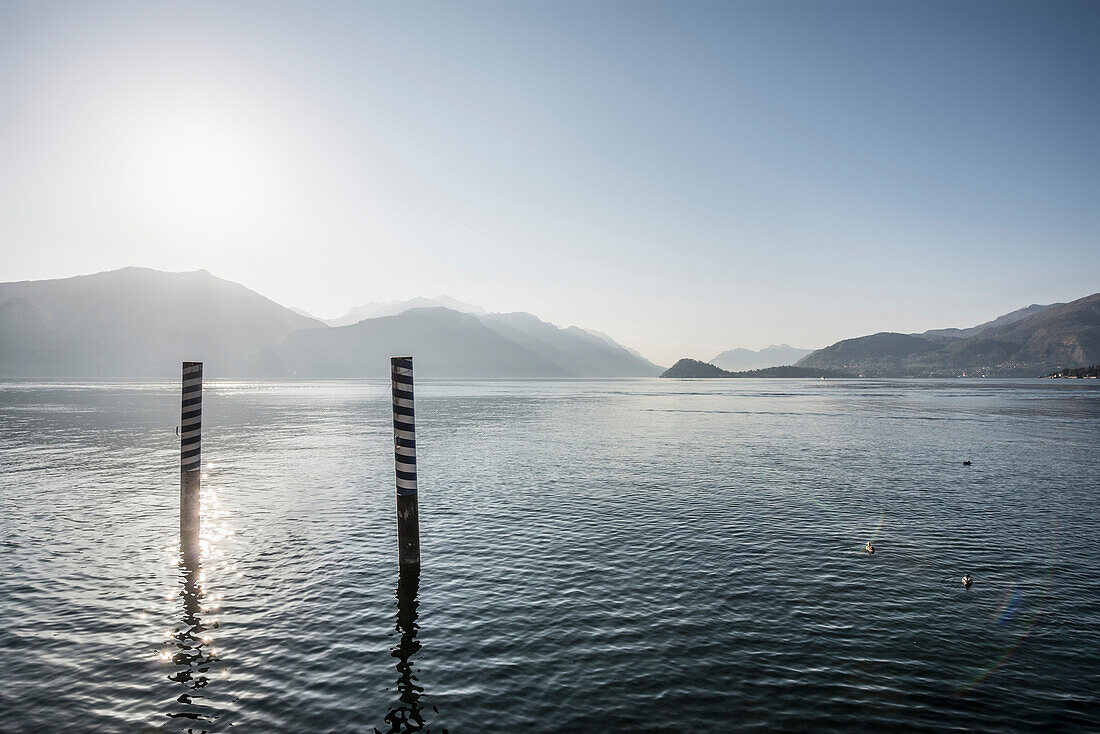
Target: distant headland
[
  {"x": 1076, "y": 373},
  {"x": 693, "y": 368}
]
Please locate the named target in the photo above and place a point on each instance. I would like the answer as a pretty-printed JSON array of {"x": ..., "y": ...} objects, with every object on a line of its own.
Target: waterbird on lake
[
  {"x": 966, "y": 463},
  {"x": 869, "y": 548},
  {"x": 967, "y": 580}
]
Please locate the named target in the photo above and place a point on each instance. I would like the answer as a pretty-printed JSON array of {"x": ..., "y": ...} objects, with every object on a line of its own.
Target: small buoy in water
[
  {"x": 967, "y": 580},
  {"x": 869, "y": 548},
  {"x": 966, "y": 463}
]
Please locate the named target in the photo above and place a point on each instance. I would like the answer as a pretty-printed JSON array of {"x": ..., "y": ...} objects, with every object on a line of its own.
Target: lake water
[{"x": 637, "y": 555}]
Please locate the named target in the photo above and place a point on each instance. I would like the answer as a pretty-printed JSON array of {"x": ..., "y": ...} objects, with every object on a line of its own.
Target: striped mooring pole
[
  {"x": 404, "y": 456},
  {"x": 190, "y": 458}
]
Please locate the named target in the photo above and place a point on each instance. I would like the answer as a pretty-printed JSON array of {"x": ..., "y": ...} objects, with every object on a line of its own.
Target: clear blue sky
[{"x": 687, "y": 177}]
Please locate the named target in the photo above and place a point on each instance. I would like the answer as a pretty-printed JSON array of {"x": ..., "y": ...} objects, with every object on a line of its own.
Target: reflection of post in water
[
  {"x": 407, "y": 713},
  {"x": 193, "y": 655}
]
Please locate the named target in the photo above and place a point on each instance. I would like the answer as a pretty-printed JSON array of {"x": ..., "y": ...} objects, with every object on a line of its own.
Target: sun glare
[{"x": 196, "y": 168}]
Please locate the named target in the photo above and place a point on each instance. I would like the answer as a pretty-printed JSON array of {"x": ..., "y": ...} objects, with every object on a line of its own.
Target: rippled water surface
[{"x": 615, "y": 555}]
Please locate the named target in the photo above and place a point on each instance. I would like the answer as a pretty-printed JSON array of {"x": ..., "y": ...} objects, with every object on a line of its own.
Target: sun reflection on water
[{"x": 193, "y": 647}]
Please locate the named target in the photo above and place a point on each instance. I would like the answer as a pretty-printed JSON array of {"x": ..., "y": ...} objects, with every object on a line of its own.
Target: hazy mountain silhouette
[
  {"x": 576, "y": 351},
  {"x": 614, "y": 343},
  {"x": 376, "y": 309},
  {"x": 447, "y": 343},
  {"x": 307, "y": 314},
  {"x": 135, "y": 322},
  {"x": 27, "y": 338},
  {"x": 741, "y": 359},
  {"x": 1028, "y": 342}
]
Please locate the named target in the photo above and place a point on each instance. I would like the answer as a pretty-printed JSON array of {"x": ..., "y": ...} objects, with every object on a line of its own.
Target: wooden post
[
  {"x": 190, "y": 459},
  {"x": 404, "y": 455}
]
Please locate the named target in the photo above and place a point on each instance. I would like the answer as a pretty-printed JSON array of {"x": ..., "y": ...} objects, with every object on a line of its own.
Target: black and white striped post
[
  {"x": 190, "y": 458},
  {"x": 404, "y": 456}
]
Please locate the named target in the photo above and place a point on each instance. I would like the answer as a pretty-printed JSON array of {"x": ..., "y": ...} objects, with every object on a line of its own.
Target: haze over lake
[{"x": 621, "y": 554}]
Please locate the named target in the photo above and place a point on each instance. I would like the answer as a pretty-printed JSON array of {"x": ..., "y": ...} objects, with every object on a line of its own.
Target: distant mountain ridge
[
  {"x": 1032, "y": 341},
  {"x": 573, "y": 349},
  {"x": 137, "y": 322},
  {"x": 376, "y": 309},
  {"x": 448, "y": 343},
  {"x": 776, "y": 355},
  {"x": 140, "y": 323},
  {"x": 445, "y": 343}
]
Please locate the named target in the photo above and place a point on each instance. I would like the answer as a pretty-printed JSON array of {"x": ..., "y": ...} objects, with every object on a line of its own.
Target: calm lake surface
[{"x": 637, "y": 555}]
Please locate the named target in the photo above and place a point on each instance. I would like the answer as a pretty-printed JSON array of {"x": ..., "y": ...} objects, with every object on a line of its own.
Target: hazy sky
[{"x": 687, "y": 177}]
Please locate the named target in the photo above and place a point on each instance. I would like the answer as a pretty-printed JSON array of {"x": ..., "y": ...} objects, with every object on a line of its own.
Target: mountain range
[
  {"x": 377, "y": 309},
  {"x": 1031, "y": 341},
  {"x": 449, "y": 343},
  {"x": 137, "y": 322}
]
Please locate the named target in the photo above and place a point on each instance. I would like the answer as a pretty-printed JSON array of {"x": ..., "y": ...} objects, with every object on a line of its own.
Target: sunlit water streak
[{"x": 636, "y": 555}]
